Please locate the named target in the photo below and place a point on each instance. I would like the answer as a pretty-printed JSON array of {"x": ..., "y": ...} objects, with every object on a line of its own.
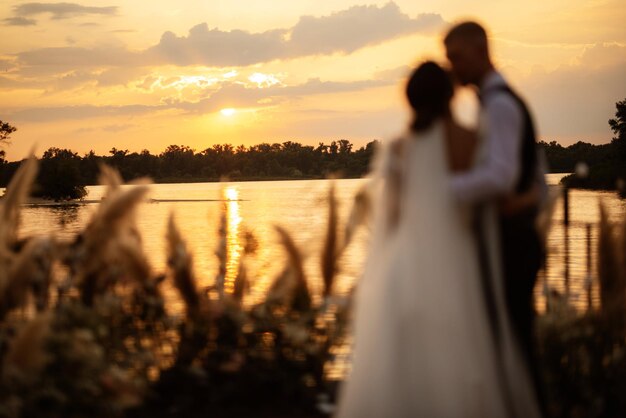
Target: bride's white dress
[{"x": 422, "y": 342}]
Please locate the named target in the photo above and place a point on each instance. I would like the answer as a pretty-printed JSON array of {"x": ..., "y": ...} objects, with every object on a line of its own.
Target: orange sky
[{"x": 143, "y": 75}]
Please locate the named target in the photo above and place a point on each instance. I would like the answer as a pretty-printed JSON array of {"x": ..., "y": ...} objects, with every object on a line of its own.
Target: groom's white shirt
[{"x": 500, "y": 128}]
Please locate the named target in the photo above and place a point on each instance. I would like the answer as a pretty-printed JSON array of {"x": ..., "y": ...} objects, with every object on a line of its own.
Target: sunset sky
[{"x": 145, "y": 74}]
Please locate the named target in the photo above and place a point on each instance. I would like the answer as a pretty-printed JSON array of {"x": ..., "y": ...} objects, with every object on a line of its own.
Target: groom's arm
[{"x": 497, "y": 174}]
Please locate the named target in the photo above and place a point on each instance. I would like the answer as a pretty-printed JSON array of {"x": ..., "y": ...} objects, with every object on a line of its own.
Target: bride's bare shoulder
[
  {"x": 462, "y": 143},
  {"x": 461, "y": 133}
]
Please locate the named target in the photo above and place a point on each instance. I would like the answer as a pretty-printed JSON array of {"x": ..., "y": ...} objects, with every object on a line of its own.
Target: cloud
[
  {"x": 79, "y": 112},
  {"x": 7, "y": 64},
  {"x": 341, "y": 32},
  {"x": 316, "y": 86},
  {"x": 117, "y": 127},
  {"x": 106, "y": 128},
  {"x": 119, "y": 76},
  {"x": 74, "y": 57},
  {"x": 12, "y": 83},
  {"x": 394, "y": 73},
  {"x": 62, "y": 10},
  {"x": 229, "y": 94},
  {"x": 217, "y": 48},
  {"x": 359, "y": 26},
  {"x": 19, "y": 21}
]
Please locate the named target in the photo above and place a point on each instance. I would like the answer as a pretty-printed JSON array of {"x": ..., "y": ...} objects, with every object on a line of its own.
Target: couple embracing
[{"x": 443, "y": 325}]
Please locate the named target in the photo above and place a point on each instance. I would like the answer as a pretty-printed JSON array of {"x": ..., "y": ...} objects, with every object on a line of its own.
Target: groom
[{"x": 508, "y": 173}]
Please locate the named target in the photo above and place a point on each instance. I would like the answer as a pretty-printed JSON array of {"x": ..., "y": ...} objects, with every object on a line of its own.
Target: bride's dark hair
[{"x": 429, "y": 91}]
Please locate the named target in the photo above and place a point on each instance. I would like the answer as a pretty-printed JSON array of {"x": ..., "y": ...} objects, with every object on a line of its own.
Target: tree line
[{"x": 64, "y": 173}]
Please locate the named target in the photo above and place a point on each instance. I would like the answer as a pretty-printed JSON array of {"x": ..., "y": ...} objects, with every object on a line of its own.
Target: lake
[{"x": 301, "y": 207}]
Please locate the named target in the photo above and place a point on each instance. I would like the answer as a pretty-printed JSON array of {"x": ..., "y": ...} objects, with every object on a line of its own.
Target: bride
[{"x": 424, "y": 343}]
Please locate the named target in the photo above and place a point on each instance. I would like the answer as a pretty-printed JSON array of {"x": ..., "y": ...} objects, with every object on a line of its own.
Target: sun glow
[{"x": 229, "y": 111}]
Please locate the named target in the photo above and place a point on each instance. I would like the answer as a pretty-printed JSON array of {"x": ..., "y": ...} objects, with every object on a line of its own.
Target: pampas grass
[
  {"x": 290, "y": 287},
  {"x": 180, "y": 263},
  {"x": 107, "y": 343},
  {"x": 13, "y": 285},
  {"x": 16, "y": 194},
  {"x": 222, "y": 251},
  {"x": 242, "y": 281},
  {"x": 359, "y": 215},
  {"x": 27, "y": 355},
  {"x": 329, "y": 252},
  {"x": 109, "y": 247}
]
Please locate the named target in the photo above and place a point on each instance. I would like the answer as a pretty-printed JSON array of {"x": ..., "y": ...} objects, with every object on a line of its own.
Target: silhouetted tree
[
  {"x": 59, "y": 176},
  {"x": 5, "y": 132},
  {"x": 618, "y": 126}
]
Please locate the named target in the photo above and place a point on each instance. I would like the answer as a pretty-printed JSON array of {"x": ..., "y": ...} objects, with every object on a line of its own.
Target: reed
[
  {"x": 331, "y": 244},
  {"x": 242, "y": 281},
  {"x": 290, "y": 287},
  {"x": 222, "y": 251},
  {"x": 179, "y": 261},
  {"x": 359, "y": 215},
  {"x": 26, "y": 264}
]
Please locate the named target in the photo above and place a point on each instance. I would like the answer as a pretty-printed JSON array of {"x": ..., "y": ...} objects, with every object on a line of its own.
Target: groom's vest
[{"x": 528, "y": 163}]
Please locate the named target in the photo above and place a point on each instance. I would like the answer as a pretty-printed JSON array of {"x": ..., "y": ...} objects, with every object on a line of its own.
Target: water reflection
[
  {"x": 571, "y": 265},
  {"x": 66, "y": 215},
  {"x": 233, "y": 242},
  {"x": 296, "y": 205}
]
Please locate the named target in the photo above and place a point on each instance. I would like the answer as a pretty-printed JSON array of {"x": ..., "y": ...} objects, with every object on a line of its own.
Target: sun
[{"x": 229, "y": 111}]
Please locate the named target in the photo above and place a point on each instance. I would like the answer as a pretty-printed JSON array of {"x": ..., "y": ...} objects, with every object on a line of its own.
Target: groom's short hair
[{"x": 468, "y": 31}]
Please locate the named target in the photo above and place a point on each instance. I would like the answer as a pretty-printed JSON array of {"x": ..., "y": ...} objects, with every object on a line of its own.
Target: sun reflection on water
[{"x": 233, "y": 241}]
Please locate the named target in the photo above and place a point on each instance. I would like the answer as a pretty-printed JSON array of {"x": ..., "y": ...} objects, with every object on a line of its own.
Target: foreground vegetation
[
  {"x": 98, "y": 339},
  {"x": 584, "y": 354},
  {"x": 85, "y": 329}
]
